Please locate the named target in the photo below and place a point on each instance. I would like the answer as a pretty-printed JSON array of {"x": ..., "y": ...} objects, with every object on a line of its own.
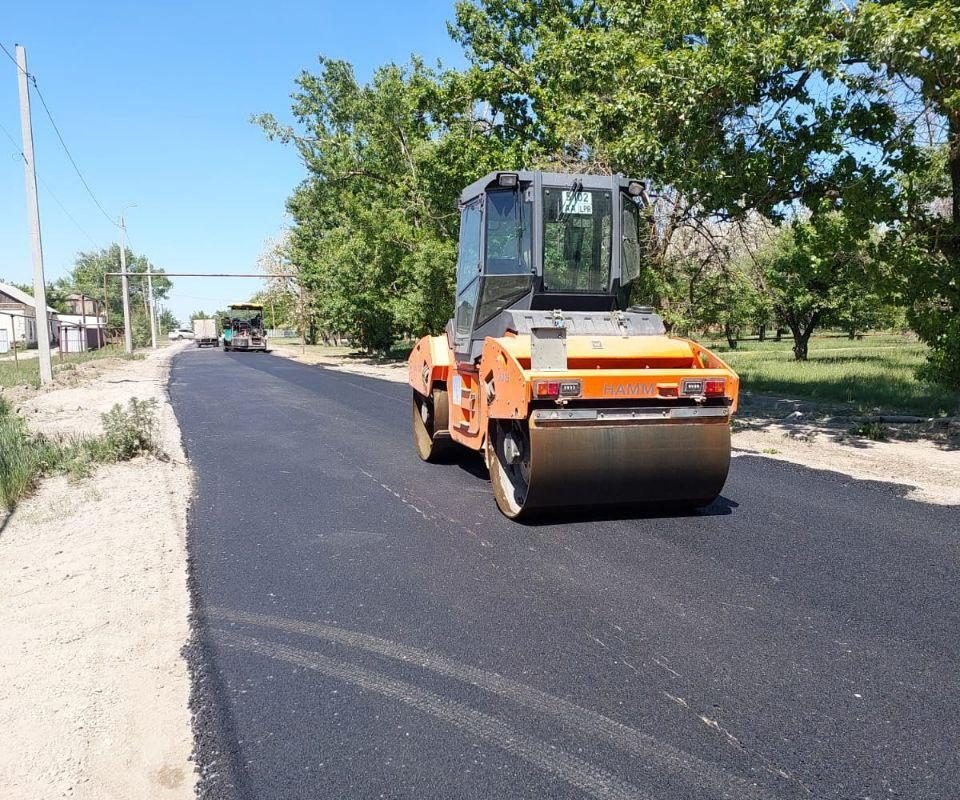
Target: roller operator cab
[{"x": 574, "y": 398}]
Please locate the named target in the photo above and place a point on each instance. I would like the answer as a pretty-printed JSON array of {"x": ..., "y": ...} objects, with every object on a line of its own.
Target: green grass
[
  {"x": 875, "y": 374},
  {"x": 26, "y": 457},
  {"x": 869, "y": 375},
  {"x": 27, "y": 371}
]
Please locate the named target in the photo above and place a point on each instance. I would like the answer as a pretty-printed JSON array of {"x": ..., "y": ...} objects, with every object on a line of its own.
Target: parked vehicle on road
[
  {"x": 205, "y": 332},
  {"x": 180, "y": 333},
  {"x": 243, "y": 328}
]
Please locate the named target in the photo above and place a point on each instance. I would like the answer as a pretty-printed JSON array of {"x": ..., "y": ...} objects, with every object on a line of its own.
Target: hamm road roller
[{"x": 575, "y": 398}]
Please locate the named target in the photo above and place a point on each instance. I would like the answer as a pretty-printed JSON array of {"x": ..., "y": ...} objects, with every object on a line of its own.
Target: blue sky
[{"x": 154, "y": 100}]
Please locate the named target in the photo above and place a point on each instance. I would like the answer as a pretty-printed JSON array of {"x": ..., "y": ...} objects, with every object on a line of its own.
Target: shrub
[
  {"x": 131, "y": 433},
  {"x": 874, "y": 431}
]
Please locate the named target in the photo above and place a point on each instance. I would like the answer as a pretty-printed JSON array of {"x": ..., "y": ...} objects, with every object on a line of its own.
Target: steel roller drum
[{"x": 648, "y": 461}]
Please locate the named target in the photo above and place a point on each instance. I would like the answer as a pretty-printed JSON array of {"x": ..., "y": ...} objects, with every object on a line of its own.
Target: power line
[
  {"x": 50, "y": 191},
  {"x": 9, "y": 55},
  {"x": 12, "y": 140},
  {"x": 69, "y": 215},
  {"x": 70, "y": 156},
  {"x": 63, "y": 144}
]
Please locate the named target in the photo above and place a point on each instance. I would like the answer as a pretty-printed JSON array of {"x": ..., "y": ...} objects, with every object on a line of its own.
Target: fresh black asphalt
[{"x": 367, "y": 625}]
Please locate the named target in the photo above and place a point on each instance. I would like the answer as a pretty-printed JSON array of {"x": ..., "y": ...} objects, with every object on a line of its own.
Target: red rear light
[
  {"x": 546, "y": 388},
  {"x": 715, "y": 387}
]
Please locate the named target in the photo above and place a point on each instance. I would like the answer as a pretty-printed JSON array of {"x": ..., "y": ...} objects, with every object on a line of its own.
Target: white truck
[{"x": 205, "y": 332}]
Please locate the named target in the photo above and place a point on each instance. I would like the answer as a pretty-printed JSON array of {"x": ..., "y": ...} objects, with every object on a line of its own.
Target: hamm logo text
[{"x": 629, "y": 390}]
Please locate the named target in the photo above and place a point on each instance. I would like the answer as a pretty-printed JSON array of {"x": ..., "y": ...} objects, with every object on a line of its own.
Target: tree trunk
[
  {"x": 730, "y": 332},
  {"x": 953, "y": 154},
  {"x": 762, "y": 333},
  {"x": 801, "y": 341},
  {"x": 802, "y": 330},
  {"x": 779, "y": 334},
  {"x": 851, "y": 334}
]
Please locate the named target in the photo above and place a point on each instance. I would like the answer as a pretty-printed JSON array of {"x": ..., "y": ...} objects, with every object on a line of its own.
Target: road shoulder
[{"x": 93, "y": 687}]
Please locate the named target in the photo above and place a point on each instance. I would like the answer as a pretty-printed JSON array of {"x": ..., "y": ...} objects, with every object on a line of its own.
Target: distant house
[
  {"x": 79, "y": 332},
  {"x": 82, "y": 304},
  {"x": 83, "y": 328},
  {"x": 18, "y": 319}
]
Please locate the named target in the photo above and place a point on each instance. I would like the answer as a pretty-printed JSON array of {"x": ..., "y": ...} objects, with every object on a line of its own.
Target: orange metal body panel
[
  {"x": 609, "y": 368},
  {"x": 468, "y": 415},
  {"x": 428, "y": 363},
  {"x": 634, "y": 368}
]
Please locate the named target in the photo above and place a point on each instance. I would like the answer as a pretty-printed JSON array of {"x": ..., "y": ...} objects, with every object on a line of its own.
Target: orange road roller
[{"x": 575, "y": 398}]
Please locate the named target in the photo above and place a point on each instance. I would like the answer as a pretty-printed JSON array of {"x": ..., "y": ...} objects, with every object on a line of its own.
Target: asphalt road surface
[{"x": 370, "y": 626}]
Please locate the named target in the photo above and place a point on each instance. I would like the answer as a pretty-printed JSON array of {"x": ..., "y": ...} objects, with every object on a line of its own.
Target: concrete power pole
[
  {"x": 153, "y": 313},
  {"x": 33, "y": 216},
  {"x": 125, "y": 281}
]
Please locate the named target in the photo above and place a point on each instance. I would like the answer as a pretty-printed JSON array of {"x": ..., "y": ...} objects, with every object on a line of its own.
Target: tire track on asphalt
[
  {"x": 701, "y": 774},
  {"x": 595, "y": 781}
]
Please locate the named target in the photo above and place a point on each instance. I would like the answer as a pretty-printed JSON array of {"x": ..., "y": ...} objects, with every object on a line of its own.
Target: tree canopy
[
  {"x": 836, "y": 125},
  {"x": 89, "y": 269},
  {"x": 375, "y": 222}
]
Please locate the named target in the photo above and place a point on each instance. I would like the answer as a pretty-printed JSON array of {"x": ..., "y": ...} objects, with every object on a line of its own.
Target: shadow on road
[
  {"x": 721, "y": 507},
  {"x": 473, "y": 464}
]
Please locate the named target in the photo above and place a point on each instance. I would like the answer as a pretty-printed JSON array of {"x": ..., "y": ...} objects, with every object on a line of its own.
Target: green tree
[
  {"x": 375, "y": 223},
  {"x": 88, "y": 272},
  {"x": 917, "y": 44},
  {"x": 747, "y": 105},
  {"x": 166, "y": 322},
  {"x": 796, "y": 110},
  {"x": 808, "y": 268}
]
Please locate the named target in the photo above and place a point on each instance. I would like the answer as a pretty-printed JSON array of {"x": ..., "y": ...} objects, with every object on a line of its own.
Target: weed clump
[
  {"x": 26, "y": 457},
  {"x": 132, "y": 432},
  {"x": 874, "y": 431}
]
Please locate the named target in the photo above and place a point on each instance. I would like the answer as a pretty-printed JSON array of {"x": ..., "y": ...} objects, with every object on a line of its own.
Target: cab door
[
  {"x": 463, "y": 396},
  {"x": 468, "y": 275}
]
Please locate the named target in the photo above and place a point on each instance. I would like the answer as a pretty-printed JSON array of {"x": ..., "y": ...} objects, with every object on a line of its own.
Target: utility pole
[
  {"x": 33, "y": 216},
  {"x": 83, "y": 322},
  {"x": 127, "y": 330},
  {"x": 153, "y": 314}
]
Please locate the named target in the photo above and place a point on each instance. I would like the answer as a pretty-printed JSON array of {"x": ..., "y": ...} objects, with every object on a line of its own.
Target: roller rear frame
[{"x": 644, "y": 449}]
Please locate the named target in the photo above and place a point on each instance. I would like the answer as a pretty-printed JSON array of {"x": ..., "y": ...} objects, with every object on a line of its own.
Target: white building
[
  {"x": 79, "y": 332},
  {"x": 18, "y": 319}
]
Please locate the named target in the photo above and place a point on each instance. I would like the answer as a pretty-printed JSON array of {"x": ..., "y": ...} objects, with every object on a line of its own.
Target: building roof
[{"x": 22, "y": 297}]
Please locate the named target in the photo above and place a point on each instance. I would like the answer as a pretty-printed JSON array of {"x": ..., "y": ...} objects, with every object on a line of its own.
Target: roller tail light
[
  {"x": 552, "y": 390},
  {"x": 715, "y": 387},
  {"x": 706, "y": 387}
]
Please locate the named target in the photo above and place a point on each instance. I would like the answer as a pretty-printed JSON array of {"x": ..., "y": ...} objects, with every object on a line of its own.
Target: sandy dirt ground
[
  {"x": 94, "y": 612},
  {"x": 924, "y": 457},
  {"x": 930, "y": 468},
  {"x": 20, "y": 355},
  {"x": 389, "y": 370}
]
